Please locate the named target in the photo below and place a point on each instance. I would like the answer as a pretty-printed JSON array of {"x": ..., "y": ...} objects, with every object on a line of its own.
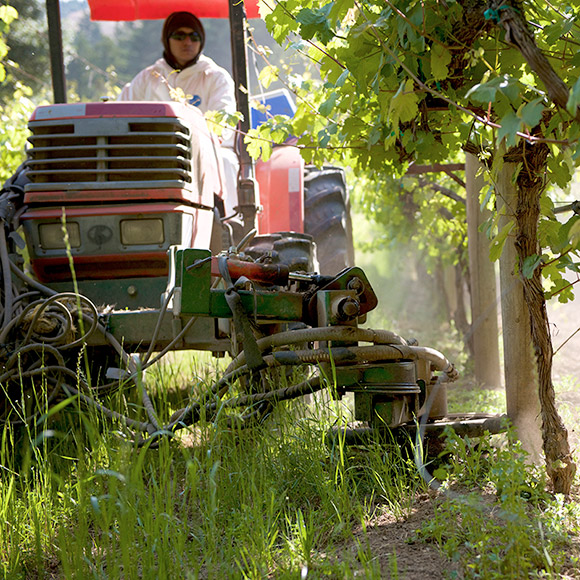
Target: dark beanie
[{"x": 174, "y": 22}]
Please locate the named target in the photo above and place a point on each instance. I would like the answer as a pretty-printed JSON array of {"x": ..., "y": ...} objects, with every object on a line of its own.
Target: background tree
[
  {"x": 27, "y": 64},
  {"x": 93, "y": 59},
  {"x": 420, "y": 81},
  {"x": 15, "y": 107}
]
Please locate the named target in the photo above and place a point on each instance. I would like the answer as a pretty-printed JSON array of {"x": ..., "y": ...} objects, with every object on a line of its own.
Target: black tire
[{"x": 327, "y": 218}]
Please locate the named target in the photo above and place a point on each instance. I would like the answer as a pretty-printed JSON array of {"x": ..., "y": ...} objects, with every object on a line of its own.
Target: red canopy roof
[{"x": 158, "y": 9}]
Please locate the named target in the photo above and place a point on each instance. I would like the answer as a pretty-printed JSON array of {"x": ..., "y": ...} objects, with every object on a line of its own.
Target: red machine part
[
  {"x": 101, "y": 252},
  {"x": 113, "y": 109},
  {"x": 135, "y": 179},
  {"x": 146, "y": 146},
  {"x": 271, "y": 274},
  {"x": 157, "y": 9},
  {"x": 281, "y": 182}
]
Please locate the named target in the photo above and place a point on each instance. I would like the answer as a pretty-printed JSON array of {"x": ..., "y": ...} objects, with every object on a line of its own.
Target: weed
[{"x": 511, "y": 527}]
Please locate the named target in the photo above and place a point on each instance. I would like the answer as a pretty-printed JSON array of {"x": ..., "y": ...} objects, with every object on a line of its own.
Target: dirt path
[{"x": 393, "y": 543}]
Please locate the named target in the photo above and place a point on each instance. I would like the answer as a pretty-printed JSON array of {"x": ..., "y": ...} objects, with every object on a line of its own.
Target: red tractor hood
[{"x": 158, "y": 9}]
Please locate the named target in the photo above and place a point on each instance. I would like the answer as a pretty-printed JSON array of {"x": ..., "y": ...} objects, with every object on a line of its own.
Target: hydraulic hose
[
  {"x": 30, "y": 282},
  {"x": 330, "y": 333},
  {"x": 7, "y": 278}
]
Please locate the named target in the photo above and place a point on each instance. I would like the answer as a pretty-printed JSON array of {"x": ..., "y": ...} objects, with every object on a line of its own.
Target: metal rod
[
  {"x": 574, "y": 206},
  {"x": 56, "y": 52},
  {"x": 248, "y": 196},
  {"x": 240, "y": 74}
]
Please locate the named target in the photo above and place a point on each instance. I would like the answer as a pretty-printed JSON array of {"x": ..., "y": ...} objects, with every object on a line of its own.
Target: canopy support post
[
  {"x": 247, "y": 190},
  {"x": 56, "y": 52}
]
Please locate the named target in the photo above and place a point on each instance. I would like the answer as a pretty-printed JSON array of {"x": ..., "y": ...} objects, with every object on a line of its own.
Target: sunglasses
[{"x": 193, "y": 36}]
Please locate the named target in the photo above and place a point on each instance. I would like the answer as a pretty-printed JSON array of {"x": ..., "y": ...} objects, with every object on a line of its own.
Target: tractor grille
[{"x": 104, "y": 153}]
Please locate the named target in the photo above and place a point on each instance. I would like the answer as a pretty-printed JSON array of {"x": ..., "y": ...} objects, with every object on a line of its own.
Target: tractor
[{"x": 113, "y": 249}]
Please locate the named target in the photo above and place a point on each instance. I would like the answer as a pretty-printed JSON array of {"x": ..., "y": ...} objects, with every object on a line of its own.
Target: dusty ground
[{"x": 400, "y": 554}]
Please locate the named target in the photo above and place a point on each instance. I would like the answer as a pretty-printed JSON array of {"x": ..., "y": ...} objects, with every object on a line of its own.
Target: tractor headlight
[
  {"x": 142, "y": 232},
  {"x": 52, "y": 236}
]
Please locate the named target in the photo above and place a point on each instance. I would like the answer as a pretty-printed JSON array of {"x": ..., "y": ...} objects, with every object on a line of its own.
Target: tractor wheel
[{"x": 327, "y": 218}]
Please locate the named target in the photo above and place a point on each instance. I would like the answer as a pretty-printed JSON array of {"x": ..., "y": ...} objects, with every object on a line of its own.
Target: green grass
[
  {"x": 275, "y": 499},
  {"x": 280, "y": 500}
]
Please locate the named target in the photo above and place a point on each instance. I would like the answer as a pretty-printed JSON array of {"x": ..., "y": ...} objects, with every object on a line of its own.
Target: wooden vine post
[
  {"x": 521, "y": 379},
  {"x": 484, "y": 327}
]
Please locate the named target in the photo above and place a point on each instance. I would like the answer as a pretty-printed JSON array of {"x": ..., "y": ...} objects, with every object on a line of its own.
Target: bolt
[
  {"x": 132, "y": 290},
  {"x": 348, "y": 308},
  {"x": 356, "y": 284}
]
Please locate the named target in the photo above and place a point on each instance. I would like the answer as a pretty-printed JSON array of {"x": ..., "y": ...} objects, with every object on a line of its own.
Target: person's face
[{"x": 184, "y": 45}]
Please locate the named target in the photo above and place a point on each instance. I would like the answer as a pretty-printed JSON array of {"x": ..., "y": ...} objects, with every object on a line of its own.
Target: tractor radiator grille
[{"x": 103, "y": 153}]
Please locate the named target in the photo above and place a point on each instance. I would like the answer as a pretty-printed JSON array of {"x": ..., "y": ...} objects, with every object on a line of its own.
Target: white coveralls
[{"x": 205, "y": 85}]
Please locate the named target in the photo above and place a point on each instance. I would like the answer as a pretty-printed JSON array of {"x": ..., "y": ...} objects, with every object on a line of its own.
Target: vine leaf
[
  {"x": 574, "y": 233},
  {"x": 404, "y": 105},
  {"x": 574, "y": 98},
  {"x": 530, "y": 264},
  {"x": 510, "y": 125},
  {"x": 440, "y": 59},
  {"x": 497, "y": 244},
  {"x": 314, "y": 22},
  {"x": 268, "y": 75},
  {"x": 531, "y": 113}
]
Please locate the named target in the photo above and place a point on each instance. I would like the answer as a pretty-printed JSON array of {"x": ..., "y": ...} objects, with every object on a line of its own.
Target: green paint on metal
[
  {"x": 262, "y": 306},
  {"x": 132, "y": 293},
  {"x": 195, "y": 277},
  {"x": 199, "y": 299}
]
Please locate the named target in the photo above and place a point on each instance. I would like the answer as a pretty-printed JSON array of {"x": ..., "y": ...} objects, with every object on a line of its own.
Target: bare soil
[{"x": 399, "y": 551}]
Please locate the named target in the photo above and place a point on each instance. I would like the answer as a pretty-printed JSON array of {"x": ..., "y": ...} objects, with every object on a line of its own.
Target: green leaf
[
  {"x": 440, "y": 59},
  {"x": 574, "y": 234},
  {"x": 404, "y": 105},
  {"x": 559, "y": 166},
  {"x": 342, "y": 78},
  {"x": 497, "y": 244},
  {"x": 487, "y": 92},
  {"x": 258, "y": 146},
  {"x": 530, "y": 265},
  {"x": 323, "y": 138},
  {"x": 509, "y": 87},
  {"x": 510, "y": 125},
  {"x": 565, "y": 233},
  {"x": 314, "y": 23},
  {"x": 555, "y": 31},
  {"x": 482, "y": 93},
  {"x": 268, "y": 75},
  {"x": 531, "y": 113},
  {"x": 326, "y": 108},
  {"x": 560, "y": 287},
  {"x": 574, "y": 98},
  {"x": 340, "y": 8},
  {"x": 8, "y": 14},
  {"x": 280, "y": 23}
]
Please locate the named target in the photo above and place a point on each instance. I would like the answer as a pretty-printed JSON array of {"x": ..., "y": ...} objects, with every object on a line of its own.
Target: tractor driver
[{"x": 184, "y": 71}]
